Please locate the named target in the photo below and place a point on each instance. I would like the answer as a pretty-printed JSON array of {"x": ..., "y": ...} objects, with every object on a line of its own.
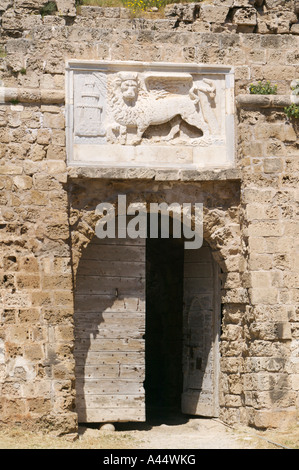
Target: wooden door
[
  {"x": 201, "y": 323},
  {"x": 109, "y": 330}
]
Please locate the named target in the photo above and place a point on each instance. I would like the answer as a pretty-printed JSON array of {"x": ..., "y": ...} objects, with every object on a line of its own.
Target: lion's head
[{"x": 128, "y": 85}]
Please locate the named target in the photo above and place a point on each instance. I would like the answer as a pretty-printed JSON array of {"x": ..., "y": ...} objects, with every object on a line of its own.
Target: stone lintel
[
  {"x": 31, "y": 95},
  {"x": 228, "y": 174},
  {"x": 263, "y": 101},
  {"x": 35, "y": 95}
]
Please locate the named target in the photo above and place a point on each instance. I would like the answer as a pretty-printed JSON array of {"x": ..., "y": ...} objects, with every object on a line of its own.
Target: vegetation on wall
[
  {"x": 292, "y": 111},
  {"x": 295, "y": 87},
  {"x": 134, "y": 5},
  {"x": 263, "y": 88},
  {"x": 143, "y": 5},
  {"x": 48, "y": 9},
  {"x": 2, "y": 52}
]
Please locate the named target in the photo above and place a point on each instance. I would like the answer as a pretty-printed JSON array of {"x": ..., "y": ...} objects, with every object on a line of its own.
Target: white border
[{"x": 115, "y": 66}]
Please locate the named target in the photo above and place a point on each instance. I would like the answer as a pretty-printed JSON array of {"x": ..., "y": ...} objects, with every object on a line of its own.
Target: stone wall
[
  {"x": 47, "y": 212},
  {"x": 270, "y": 231}
]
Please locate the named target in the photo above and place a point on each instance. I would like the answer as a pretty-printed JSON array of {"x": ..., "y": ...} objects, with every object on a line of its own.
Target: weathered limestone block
[
  {"x": 263, "y": 381},
  {"x": 295, "y": 382},
  {"x": 260, "y": 364},
  {"x": 284, "y": 331},
  {"x": 278, "y": 22},
  {"x": 237, "y": 296},
  {"x": 11, "y": 20},
  {"x": 235, "y": 384},
  {"x": 266, "y": 331},
  {"x": 273, "y": 165},
  {"x": 232, "y": 401},
  {"x": 265, "y": 399},
  {"x": 213, "y": 13},
  {"x": 272, "y": 4},
  {"x": 245, "y": 16},
  {"x": 54, "y": 121},
  {"x": 91, "y": 12},
  {"x": 264, "y": 419},
  {"x": 60, "y": 423},
  {"x": 247, "y": 3},
  {"x": 28, "y": 281},
  {"x": 32, "y": 4},
  {"x": 232, "y": 365},
  {"x": 227, "y": 3},
  {"x": 184, "y": 12},
  {"x": 5, "y": 4},
  {"x": 66, "y": 7}
]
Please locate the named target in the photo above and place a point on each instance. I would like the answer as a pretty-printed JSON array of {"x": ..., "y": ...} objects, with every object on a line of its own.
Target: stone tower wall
[{"x": 46, "y": 208}]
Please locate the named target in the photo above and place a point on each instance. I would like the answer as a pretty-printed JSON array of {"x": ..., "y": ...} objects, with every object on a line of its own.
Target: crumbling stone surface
[
  {"x": 245, "y": 16},
  {"x": 213, "y": 13},
  {"x": 66, "y": 8},
  {"x": 63, "y": 7},
  {"x": 271, "y": 17},
  {"x": 186, "y": 12}
]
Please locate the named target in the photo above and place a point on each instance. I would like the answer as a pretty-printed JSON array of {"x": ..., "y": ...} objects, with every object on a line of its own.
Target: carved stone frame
[{"x": 97, "y": 149}]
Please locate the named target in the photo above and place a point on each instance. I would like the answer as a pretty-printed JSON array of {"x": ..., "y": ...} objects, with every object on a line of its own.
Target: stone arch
[{"x": 221, "y": 231}]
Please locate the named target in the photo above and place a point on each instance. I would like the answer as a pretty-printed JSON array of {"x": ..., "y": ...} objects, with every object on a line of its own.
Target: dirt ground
[{"x": 201, "y": 433}]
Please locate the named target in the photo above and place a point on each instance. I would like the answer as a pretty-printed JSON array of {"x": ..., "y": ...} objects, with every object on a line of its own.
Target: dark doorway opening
[{"x": 164, "y": 326}]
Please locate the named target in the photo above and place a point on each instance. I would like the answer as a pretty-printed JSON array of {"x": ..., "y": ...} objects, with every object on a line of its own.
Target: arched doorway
[{"x": 147, "y": 320}]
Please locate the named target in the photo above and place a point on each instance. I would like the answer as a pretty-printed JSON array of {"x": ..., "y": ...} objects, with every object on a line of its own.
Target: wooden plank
[
  {"x": 111, "y": 318},
  {"x": 114, "y": 253},
  {"x": 202, "y": 255},
  {"x": 108, "y": 371},
  {"x": 97, "y": 371},
  {"x": 106, "y": 303},
  {"x": 110, "y": 285},
  {"x": 132, "y": 371},
  {"x": 99, "y": 345},
  {"x": 109, "y": 386},
  {"x": 197, "y": 270},
  {"x": 126, "y": 269},
  {"x": 122, "y": 329},
  {"x": 99, "y": 332},
  {"x": 108, "y": 358},
  {"x": 110, "y": 401},
  {"x": 110, "y": 415},
  {"x": 198, "y": 286},
  {"x": 198, "y": 404}
]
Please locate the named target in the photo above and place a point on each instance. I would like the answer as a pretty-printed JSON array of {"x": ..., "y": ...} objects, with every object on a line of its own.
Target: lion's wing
[{"x": 161, "y": 84}]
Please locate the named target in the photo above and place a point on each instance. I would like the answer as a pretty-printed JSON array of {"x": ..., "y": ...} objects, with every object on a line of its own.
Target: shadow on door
[{"x": 164, "y": 327}]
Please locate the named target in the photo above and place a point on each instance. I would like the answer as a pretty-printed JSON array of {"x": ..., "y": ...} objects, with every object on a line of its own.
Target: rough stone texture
[{"x": 47, "y": 210}]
